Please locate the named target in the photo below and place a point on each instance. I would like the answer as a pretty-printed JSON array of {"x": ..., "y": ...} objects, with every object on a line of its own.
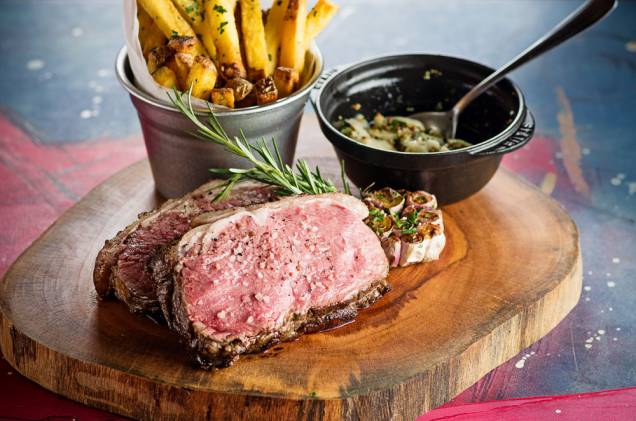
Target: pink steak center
[{"x": 249, "y": 276}]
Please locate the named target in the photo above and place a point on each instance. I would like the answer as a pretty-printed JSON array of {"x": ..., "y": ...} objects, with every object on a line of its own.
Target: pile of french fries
[{"x": 230, "y": 52}]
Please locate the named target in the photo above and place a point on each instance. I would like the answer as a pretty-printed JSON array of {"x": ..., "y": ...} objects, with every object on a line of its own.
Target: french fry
[
  {"x": 253, "y": 31},
  {"x": 165, "y": 77},
  {"x": 318, "y": 18},
  {"x": 219, "y": 16},
  {"x": 181, "y": 64},
  {"x": 272, "y": 33},
  {"x": 192, "y": 11},
  {"x": 286, "y": 81},
  {"x": 184, "y": 45},
  {"x": 222, "y": 96},
  {"x": 169, "y": 20},
  {"x": 266, "y": 91},
  {"x": 150, "y": 36},
  {"x": 202, "y": 77},
  {"x": 292, "y": 43},
  {"x": 158, "y": 57},
  {"x": 241, "y": 88},
  {"x": 248, "y": 101}
]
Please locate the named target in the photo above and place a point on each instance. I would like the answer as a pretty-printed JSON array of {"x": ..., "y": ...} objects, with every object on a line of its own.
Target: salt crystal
[
  {"x": 588, "y": 346},
  {"x": 601, "y": 332},
  {"x": 587, "y": 288},
  {"x": 221, "y": 314},
  {"x": 35, "y": 64},
  {"x": 616, "y": 260},
  {"x": 261, "y": 297},
  {"x": 558, "y": 411},
  {"x": 611, "y": 284},
  {"x": 250, "y": 319}
]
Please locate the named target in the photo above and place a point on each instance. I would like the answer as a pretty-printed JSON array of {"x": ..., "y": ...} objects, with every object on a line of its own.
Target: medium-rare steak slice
[
  {"x": 123, "y": 266},
  {"x": 272, "y": 272}
]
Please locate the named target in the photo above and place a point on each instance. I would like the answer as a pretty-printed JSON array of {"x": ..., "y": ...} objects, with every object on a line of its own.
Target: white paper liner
[{"x": 145, "y": 82}]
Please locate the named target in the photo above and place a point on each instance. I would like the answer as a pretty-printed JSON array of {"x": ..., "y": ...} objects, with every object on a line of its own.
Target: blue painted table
[{"x": 65, "y": 125}]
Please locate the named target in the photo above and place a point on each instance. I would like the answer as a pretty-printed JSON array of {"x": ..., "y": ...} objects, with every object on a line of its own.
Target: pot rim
[
  {"x": 486, "y": 144},
  {"x": 121, "y": 62}
]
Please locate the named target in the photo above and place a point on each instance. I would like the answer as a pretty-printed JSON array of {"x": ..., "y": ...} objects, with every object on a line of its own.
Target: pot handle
[
  {"x": 322, "y": 79},
  {"x": 514, "y": 142}
]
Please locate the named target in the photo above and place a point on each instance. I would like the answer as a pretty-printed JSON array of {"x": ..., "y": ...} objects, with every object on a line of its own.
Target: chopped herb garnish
[
  {"x": 407, "y": 225},
  {"x": 174, "y": 34},
  {"x": 313, "y": 394},
  {"x": 269, "y": 56},
  {"x": 219, "y": 9},
  {"x": 189, "y": 9},
  {"x": 222, "y": 27},
  {"x": 396, "y": 124},
  {"x": 377, "y": 214}
]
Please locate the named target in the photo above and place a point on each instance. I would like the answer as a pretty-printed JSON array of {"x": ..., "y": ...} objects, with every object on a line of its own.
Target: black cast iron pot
[{"x": 496, "y": 123}]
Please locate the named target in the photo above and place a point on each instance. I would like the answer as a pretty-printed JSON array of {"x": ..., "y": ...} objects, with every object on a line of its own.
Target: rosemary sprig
[{"x": 268, "y": 167}]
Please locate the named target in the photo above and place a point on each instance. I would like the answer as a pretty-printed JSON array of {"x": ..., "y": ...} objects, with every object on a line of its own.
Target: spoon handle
[{"x": 582, "y": 18}]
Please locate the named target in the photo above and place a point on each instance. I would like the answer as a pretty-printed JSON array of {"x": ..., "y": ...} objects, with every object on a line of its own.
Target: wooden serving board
[{"x": 510, "y": 272}]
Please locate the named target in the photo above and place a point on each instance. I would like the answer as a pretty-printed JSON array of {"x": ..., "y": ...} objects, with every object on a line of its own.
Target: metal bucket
[{"x": 180, "y": 161}]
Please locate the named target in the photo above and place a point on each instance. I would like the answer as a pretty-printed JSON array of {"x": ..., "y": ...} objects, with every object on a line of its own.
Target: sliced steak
[
  {"x": 270, "y": 273},
  {"x": 123, "y": 266}
]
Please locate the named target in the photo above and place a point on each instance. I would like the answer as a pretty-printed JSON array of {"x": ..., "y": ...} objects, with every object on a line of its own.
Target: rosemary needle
[{"x": 268, "y": 168}]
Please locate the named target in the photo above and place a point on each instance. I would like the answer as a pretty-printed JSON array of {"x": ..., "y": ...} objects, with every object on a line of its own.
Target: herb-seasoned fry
[
  {"x": 318, "y": 18},
  {"x": 292, "y": 45},
  {"x": 219, "y": 15},
  {"x": 186, "y": 45},
  {"x": 286, "y": 80},
  {"x": 192, "y": 11},
  {"x": 266, "y": 91},
  {"x": 272, "y": 32},
  {"x": 202, "y": 77},
  {"x": 165, "y": 77},
  {"x": 158, "y": 57},
  {"x": 181, "y": 64},
  {"x": 150, "y": 36},
  {"x": 253, "y": 31},
  {"x": 222, "y": 96},
  {"x": 169, "y": 20},
  {"x": 241, "y": 88}
]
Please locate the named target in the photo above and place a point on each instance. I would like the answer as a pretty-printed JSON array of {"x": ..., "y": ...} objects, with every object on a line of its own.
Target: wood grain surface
[{"x": 510, "y": 272}]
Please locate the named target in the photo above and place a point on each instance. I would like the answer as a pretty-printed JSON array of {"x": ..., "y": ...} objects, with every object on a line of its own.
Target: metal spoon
[{"x": 445, "y": 122}]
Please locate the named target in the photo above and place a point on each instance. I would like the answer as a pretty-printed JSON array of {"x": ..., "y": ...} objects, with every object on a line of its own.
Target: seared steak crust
[
  {"x": 210, "y": 353},
  {"x": 124, "y": 266}
]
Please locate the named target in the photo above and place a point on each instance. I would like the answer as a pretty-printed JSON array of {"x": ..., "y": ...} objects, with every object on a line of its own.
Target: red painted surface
[
  {"x": 606, "y": 405},
  {"x": 40, "y": 181}
]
